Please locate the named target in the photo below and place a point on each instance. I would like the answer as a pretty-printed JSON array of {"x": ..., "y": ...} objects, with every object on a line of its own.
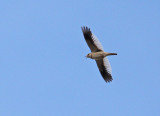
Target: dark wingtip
[
  {"x": 85, "y": 29},
  {"x": 108, "y": 80}
]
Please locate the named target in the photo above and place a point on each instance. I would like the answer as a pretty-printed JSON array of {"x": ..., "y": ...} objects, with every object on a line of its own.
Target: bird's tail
[{"x": 112, "y": 53}]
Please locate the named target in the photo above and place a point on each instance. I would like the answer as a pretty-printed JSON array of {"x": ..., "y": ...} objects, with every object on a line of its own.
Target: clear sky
[{"x": 43, "y": 69}]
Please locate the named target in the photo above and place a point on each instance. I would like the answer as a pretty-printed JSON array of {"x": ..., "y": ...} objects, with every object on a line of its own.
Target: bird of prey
[{"x": 98, "y": 54}]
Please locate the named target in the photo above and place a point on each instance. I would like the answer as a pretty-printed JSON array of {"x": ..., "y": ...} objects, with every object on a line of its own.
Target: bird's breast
[{"x": 97, "y": 55}]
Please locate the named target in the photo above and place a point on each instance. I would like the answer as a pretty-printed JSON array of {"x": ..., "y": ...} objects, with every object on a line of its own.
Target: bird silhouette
[{"x": 98, "y": 54}]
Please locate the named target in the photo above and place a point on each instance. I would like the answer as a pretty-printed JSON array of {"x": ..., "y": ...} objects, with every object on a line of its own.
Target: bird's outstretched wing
[
  {"x": 91, "y": 40},
  {"x": 105, "y": 69}
]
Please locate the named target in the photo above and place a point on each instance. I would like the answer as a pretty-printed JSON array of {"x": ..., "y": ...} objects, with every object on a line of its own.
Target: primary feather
[{"x": 91, "y": 40}]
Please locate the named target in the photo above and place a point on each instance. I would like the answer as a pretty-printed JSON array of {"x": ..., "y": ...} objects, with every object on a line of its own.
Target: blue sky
[{"x": 43, "y": 69}]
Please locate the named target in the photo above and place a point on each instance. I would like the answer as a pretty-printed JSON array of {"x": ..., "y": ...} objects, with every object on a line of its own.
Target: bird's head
[{"x": 88, "y": 55}]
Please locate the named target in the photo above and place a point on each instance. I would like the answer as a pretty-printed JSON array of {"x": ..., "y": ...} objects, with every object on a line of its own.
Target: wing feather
[
  {"x": 105, "y": 69},
  {"x": 91, "y": 40}
]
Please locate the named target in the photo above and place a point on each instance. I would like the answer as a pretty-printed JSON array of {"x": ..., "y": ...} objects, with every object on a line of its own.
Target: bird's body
[{"x": 98, "y": 54}]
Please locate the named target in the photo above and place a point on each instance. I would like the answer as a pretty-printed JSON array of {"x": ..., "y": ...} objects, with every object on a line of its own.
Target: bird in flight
[{"x": 98, "y": 54}]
